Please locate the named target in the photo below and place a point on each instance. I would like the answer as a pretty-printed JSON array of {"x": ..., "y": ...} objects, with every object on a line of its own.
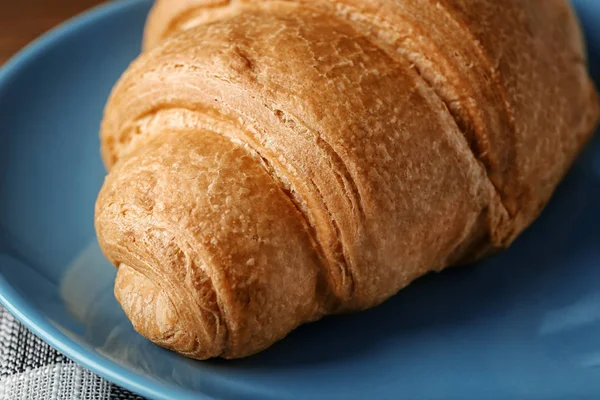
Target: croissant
[{"x": 273, "y": 162}]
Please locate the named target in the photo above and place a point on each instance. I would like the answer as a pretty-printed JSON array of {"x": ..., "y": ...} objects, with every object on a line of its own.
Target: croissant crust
[{"x": 273, "y": 162}]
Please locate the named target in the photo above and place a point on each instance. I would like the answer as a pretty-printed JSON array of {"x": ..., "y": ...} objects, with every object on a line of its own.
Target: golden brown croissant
[{"x": 272, "y": 162}]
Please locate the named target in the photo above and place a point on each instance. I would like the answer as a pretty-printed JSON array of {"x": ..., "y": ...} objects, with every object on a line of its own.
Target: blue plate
[{"x": 522, "y": 325}]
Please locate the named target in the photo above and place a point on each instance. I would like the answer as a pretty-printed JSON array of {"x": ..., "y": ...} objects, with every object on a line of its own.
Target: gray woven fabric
[{"x": 32, "y": 370}]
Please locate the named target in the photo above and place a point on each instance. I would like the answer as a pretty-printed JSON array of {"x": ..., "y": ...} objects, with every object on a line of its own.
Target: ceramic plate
[{"x": 522, "y": 325}]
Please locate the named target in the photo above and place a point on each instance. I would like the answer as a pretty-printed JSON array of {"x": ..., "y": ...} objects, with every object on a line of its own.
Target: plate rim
[{"x": 20, "y": 307}]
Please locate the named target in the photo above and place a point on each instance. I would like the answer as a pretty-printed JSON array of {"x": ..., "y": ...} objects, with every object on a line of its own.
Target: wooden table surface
[{"x": 21, "y": 21}]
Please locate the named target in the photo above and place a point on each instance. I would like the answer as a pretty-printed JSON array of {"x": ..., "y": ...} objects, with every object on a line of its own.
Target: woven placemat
[{"x": 32, "y": 370}]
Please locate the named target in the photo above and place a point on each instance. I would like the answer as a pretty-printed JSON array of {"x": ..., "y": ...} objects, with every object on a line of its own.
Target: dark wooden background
[{"x": 21, "y": 21}]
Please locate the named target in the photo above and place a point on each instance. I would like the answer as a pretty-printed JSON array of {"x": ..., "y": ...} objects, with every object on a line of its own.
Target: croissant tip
[{"x": 154, "y": 315}]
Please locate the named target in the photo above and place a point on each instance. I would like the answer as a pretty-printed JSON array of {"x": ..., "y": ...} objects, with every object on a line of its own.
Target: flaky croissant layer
[{"x": 272, "y": 162}]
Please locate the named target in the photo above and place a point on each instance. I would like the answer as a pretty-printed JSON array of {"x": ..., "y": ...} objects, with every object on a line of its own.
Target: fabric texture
[{"x": 32, "y": 370}]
